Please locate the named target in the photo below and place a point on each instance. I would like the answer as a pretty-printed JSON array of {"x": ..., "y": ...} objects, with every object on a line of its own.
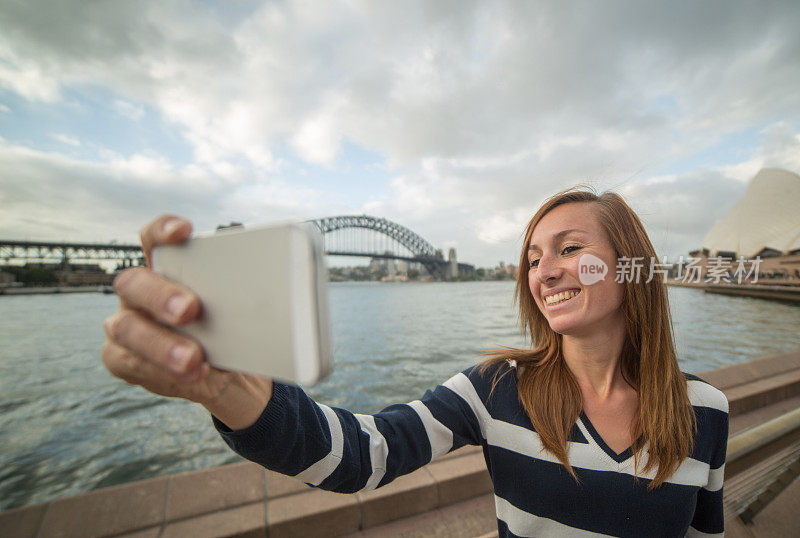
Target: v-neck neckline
[{"x": 619, "y": 458}]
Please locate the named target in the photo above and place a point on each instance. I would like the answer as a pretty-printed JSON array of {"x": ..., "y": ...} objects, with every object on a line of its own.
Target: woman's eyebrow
[{"x": 557, "y": 237}]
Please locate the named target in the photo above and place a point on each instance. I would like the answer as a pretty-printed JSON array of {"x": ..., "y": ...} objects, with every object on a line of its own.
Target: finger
[
  {"x": 119, "y": 362},
  {"x": 125, "y": 365},
  {"x": 136, "y": 371},
  {"x": 142, "y": 289},
  {"x": 164, "y": 230},
  {"x": 156, "y": 344}
]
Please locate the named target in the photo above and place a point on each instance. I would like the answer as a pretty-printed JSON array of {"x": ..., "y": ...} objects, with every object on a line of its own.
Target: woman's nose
[{"x": 548, "y": 269}]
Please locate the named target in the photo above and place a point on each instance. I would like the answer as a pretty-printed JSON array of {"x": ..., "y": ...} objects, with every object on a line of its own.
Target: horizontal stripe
[
  {"x": 462, "y": 386},
  {"x": 319, "y": 471},
  {"x": 709, "y": 516},
  {"x": 378, "y": 450},
  {"x": 440, "y": 436},
  {"x": 715, "y": 478},
  {"x": 708, "y": 447},
  {"x": 691, "y": 472},
  {"x": 455, "y": 413},
  {"x": 409, "y": 447},
  {"x": 704, "y": 395},
  {"x": 694, "y": 533},
  {"x": 598, "y": 501},
  {"x": 522, "y": 523}
]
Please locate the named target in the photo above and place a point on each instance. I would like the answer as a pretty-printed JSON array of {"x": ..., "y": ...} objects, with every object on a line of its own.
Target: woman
[{"x": 593, "y": 430}]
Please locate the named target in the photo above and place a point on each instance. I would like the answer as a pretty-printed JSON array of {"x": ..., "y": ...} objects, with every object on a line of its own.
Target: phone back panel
[{"x": 264, "y": 295}]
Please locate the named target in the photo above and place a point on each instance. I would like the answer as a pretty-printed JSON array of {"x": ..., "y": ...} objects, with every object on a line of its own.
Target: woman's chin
[
  {"x": 561, "y": 328},
  {"x": 565, "y": 326}
]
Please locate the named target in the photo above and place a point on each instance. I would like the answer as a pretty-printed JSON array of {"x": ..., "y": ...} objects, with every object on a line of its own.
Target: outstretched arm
[{"x": 346, "y": 452}]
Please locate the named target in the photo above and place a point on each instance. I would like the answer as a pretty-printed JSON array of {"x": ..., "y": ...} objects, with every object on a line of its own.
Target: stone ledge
[
  {"x": 405, "y": 496},
  {"x": 24, "y": 521},
  {"x": 232, "y": 485},
  {"x": 244, "y": 521},
  {"x": 460, "y": 479},
  {"x": 738, "y": 374},
  {"x": 246, "y": 500},
  {"x": 249, "y": 501},
  {"x": 759, "y": 382},
  {"x": 107, "y": 511},
  {"x": 313, "y": 513}
]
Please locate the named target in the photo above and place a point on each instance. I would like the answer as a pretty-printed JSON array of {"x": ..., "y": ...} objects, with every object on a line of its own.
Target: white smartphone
[{"x": 264, "y": 296}]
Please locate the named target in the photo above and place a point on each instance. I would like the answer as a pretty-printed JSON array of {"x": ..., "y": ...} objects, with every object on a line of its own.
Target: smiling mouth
[{"x": 560, "y": 298}]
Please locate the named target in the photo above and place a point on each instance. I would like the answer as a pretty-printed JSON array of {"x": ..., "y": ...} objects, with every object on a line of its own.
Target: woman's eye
[{"x": 565, "y": 250}]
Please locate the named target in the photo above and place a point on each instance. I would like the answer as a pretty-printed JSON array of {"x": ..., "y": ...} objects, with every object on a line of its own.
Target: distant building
[
  {"x": 387, "y": 265},
  {"x": 466, "y": 270},
  {"x": 452, "y": 264},
  {"x": 6, "y": 279},
  {"x": 84, "y": 275}
]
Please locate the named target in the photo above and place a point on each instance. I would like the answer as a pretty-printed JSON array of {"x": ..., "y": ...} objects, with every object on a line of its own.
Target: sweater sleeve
[
  {"x": 709, "y": 518},
  {"x": 336, "y": 450}
]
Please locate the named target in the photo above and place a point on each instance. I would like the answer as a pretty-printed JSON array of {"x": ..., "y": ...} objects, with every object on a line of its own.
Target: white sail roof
[{"x": 767, "y": 216}]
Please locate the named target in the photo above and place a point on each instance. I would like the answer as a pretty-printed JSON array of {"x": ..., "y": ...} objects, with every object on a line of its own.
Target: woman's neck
[{"x": 594, "y": 359}]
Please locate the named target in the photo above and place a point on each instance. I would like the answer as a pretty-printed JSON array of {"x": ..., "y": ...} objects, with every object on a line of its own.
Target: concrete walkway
[
  {"x": 475, "y": 517},
  {"x": 779, "y": 519}
]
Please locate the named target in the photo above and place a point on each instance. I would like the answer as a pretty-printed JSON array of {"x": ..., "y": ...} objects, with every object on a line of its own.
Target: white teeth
[{"x": 559, "y": 297}]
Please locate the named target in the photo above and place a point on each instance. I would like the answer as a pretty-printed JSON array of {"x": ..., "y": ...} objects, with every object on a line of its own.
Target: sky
[{"x": 455, "y": 119}]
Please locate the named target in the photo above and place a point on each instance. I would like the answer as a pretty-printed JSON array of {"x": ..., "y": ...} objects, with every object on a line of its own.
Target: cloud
[
  {"x": 54, "y": 197},
  {"x": 317, "y": 141},
  {"x": 487, "y": 218},
  {"x": 481, "y": 110},
  {"x": 678, "y": 211},
  {"x": 128, "y": 109},
  {"x": 51, "y": 196},
  {"x": 66, "y": 139},
  {"x": 480, "y": 80}
]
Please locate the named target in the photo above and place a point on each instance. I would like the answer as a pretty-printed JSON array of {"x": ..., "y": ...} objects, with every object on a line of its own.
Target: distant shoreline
[{"x": 52, "y": 290}]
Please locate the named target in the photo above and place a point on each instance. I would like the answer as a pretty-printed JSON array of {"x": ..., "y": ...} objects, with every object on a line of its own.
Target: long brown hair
[{"x": 665, "y": 421}]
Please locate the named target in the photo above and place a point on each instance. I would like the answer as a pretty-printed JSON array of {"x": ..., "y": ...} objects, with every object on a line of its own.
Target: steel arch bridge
[
  {"x": 399, "y": 243},
  {"x": 419, "y": 250},
  {"x": 63, "y": 252}
]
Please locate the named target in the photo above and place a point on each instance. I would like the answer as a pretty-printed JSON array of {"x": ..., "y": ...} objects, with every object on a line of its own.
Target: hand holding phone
[{"x": 264, "y": 296}]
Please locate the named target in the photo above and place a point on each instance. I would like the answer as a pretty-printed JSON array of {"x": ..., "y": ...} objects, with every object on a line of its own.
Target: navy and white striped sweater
[{"x": 340, "y": 451}]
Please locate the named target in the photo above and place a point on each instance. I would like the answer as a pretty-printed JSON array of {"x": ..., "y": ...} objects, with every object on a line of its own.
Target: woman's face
[{"x": 562, "y": 245}]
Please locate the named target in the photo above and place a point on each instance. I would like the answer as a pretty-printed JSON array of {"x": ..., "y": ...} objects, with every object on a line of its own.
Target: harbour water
[{"x": 67, "y": 426}]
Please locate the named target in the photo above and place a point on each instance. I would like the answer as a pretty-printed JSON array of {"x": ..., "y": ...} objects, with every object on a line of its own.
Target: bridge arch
[{"x": 423, "y": 251}]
